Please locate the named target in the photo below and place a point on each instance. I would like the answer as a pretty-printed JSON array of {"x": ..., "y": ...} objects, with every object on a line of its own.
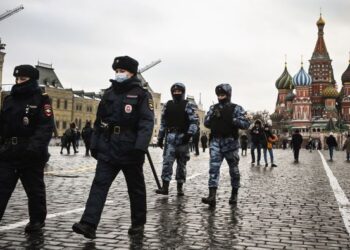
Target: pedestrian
[
  {"x": 178, "y": 124},
  {"x": 332, "y": 144},
  {"x": 26, "y": 127},
  {"x": 296, "y": 142},
  {"x": 195, "y": 139},
  {"x": 64, "y": 143},
  {"x": 346, "y": 147},
  {"x": 71, "y": 138},
  {"x": 77, "y": 138},
  {"x": 86, "y": 134},
  {"x": 257, "y": 135},
  {"x": 310, "y": 145},
  {"x": 284, "y": 143},
  {"x": 244, "y": 144},
  {"x": 224, "y": 119},
  {"x": 122, "y": 131},
  {"x": 204, "y": 141},
  {"x": 267, "y": 145}
]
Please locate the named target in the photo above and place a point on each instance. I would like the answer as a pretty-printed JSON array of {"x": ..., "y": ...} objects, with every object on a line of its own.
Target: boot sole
[{"x": 78, "y": 230}]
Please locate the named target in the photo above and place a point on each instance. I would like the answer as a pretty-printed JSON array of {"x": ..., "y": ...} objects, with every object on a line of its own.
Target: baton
[{"x": 153, "y": 169}]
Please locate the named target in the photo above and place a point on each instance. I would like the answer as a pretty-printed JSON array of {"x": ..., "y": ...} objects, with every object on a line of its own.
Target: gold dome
[
  {"x": 321, "y": 21},
  {"x": 330, "y": 92}
]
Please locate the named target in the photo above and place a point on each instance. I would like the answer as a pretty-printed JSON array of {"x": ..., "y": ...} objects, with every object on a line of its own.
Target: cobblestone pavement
[{"x": 288, "y": 207}]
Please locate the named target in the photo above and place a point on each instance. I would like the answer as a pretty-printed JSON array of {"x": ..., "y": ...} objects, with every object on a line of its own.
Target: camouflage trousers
[
  {"x": 181, "y": 154},
  {"x": 216, "y": 158}
]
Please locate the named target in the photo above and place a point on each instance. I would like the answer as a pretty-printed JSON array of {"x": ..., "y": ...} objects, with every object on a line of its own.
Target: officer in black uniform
[
  {"x": 122, "y": 132},
  {"x": 26, "y": 127}
]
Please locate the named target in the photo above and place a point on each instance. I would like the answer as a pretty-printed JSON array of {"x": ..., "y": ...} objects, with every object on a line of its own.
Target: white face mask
[{"x": 121, "y": 77}]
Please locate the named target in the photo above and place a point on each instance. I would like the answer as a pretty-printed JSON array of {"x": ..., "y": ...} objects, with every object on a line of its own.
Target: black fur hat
[
  {"x": 125, "y": 62},
  {"x": 26, "y": 71}
]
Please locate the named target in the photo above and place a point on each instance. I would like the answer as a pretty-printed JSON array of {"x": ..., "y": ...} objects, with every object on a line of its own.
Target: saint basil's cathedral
[{"x": 310, "y": 101}]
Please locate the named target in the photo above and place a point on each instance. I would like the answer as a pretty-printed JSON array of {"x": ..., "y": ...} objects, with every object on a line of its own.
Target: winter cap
[
  {"x": 224, "y": 88},
  {"x": 125, "y": 62},
  {"x": 26, "y": 70}
]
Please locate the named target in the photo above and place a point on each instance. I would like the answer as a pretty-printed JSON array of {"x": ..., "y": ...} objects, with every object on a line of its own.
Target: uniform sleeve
[
  {"x": 146, "y": 123},
  {"x": 208, "y": 116},
  {"x": 161, "y": 133},
  {"x": 239, "y": 118},
  {"x": 39, "y": 141},
  {"x": 1, "y": 127},
  {"x": 192, "y": 119},
  {"x": 97, "y": 124}
]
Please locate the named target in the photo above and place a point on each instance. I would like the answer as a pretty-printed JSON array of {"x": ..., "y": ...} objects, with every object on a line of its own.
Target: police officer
[
  {"x": 224, "y": 120},
  {"x": 26, "y": 127},
  {"x": 178, "y": 124},
  {"x": 122, "y": 132}
]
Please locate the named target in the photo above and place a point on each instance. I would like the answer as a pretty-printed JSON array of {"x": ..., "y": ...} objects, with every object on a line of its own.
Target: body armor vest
[
  {"x": 221, "y": 123},
  {"x": 176, "y": 116}
]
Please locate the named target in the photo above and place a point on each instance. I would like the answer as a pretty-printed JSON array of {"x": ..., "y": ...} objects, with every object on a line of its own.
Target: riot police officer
[
  {"x": 178, "y": 124},
  {"x": 224, "y": 120},
  {"x": 122, "y": 132},
  {"x": 26, "y": 127}
]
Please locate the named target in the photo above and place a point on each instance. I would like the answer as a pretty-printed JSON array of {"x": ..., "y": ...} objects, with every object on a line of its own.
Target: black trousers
[
  {"x": 104, "y": 176},
  {"x": 296, "y": 153},
  {"x": 32, "y": 178}
]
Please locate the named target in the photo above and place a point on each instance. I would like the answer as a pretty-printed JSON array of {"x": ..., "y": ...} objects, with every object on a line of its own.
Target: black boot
[
  {"x": 86, "y": 229},
  {"x": 211, "y": 199},
  {"x": 234, "y": 194},
  {"x": 180, "y": 191},
  {"x": 34, "y": 227},
  {"x": 165, "y": 188}
]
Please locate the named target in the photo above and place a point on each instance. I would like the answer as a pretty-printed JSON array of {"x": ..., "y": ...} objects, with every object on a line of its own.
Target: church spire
[{"x": 320, "y": 51}]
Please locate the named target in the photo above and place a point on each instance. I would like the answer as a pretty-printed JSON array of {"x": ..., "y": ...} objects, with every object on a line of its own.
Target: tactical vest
[
  {"x": 221, "y": 124},
  {"x": 176, "y": 116}
]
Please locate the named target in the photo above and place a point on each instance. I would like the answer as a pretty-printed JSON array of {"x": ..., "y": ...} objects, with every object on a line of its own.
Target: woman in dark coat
[{"x": 204, "y": 141}]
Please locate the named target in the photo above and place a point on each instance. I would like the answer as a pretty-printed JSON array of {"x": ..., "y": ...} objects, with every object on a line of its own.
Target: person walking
[
  {"x": 224, "y": 120},
  {"x": 204, "y": 141},
  {"x": 86, "y": 134},
  {"x": 64, "y": 140},
  {"x": 71, "y": 138},
  {"x": 332, "y": 144},
  {"x": 244, "y": 144},
  {"x": 178, "y": 124},
  {"x": 256, "y": 134},
  {"x": 267, "y": 145},
  {"x": 346, "y": 147},
  {"x": 26, "y": 127},
  {"x": 296, "y": 142},
  {"x": 122, "y": 131}
]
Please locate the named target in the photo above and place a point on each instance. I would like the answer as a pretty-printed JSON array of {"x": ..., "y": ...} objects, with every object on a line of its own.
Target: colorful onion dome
[
  {"x": 276, "y": 116},
  {"x": 330, "y": 92},
  {"x": 346, "y": 75},
  {"x": 284, "y": 81},
  {"x": 290, "y": 97},
  {"x": 302, "y": 78}
]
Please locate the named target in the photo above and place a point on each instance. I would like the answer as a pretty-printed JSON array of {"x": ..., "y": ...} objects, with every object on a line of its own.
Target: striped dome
[
  {"x": 302, "y": 78},
  {"x": 346, "y": 75},
  {"x": 330, "y": 92},
  {"x": 284, "y": 81},
  {"x": 290, "y": 96}
]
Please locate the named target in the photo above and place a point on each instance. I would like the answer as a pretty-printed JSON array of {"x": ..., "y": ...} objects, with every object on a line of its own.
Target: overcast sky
[{"x": 201, "y": 43}]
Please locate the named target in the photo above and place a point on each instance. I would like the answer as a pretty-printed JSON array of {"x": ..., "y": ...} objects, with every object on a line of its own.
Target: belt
[
  {"x": 16, "y": 140},
  {"x": 117, "y": 129},
  {"x": 174, "y": 129}
]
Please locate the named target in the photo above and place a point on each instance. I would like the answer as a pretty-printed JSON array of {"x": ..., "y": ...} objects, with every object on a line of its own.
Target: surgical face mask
[{"x": 121, "y": 77}]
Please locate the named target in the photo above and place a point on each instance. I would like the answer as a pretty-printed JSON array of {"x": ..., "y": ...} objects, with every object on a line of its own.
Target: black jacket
[
  {"x": 297, "y": 140},
  {"x": 26, "y": 117},
  {"x": 124, "y": 123},
  {"x": 331, "y": 141}
]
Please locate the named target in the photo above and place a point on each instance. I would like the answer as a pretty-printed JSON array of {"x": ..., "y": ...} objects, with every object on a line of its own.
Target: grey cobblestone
[{"x": 288, "y": 207}]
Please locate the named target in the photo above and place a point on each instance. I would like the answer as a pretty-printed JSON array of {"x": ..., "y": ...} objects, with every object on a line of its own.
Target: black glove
[
  {"x": 94, "y": 153},
  {"x": 186, "y": 138},
  {"x": 160, "y": 143}
]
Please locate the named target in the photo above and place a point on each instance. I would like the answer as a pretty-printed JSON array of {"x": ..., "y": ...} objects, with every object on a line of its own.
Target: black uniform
[
  {"x": 26, "y": 127},
  {"x": 122, "y": 132}
]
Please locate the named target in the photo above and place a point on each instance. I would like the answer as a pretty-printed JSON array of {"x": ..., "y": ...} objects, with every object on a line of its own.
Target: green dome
[
  {"x": 284, "y": 81},
  {"x": 330, "y": 92},
  {"x": 290, "y": 96}
]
